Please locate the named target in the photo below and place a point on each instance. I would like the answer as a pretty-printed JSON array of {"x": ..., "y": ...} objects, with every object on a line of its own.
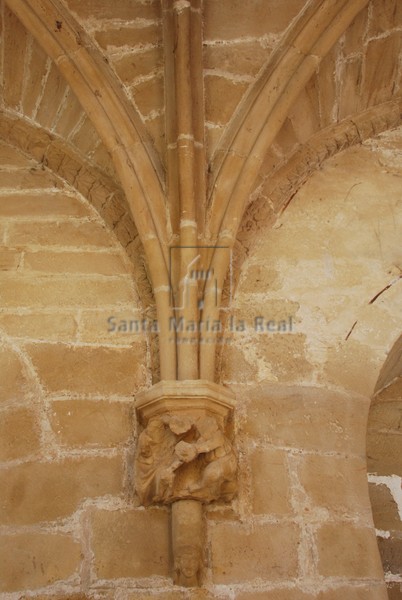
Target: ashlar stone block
[
  {"x": 78, "y": 423},
  {"x": 15, "y": 384},
  {"x": 35, "y": 492},
  {"x": 337, "y": 484},
  {"x": 345, "y": 550},
  {"x": 267, "y": 552},
  {"x": 130, "y": 543},
  {"x": 86, "y": 369},
  {"x": 19, "y": 434},
  {"x": 34, "y": 560},
  {"x": 270, "y": 481}
]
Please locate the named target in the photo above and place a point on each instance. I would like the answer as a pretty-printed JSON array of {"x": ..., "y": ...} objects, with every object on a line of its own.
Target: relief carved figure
[
  {"x": 187, "y": 566},
  {"x": 184, "y": 457}
]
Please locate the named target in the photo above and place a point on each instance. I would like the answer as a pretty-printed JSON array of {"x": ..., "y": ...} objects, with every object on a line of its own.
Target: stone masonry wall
[
  {"x": 66, "y": 382},
  {"x": 71, "y": 526},
  {"x": 326, "y": 275}
]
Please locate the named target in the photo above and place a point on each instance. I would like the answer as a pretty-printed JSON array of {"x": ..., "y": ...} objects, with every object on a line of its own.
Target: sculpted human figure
[
  {"x": 217, "y": 479},
  {"x": 155, "y": 453},
  {"x": 148, "y": 451},
  {"x": 173, "y": 441},
  {"x": 187, "y": 566},
  {"x": 157, "y": 460}
]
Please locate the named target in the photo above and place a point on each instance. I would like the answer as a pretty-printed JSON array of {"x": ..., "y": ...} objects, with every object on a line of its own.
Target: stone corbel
[{"x": 185, "y": 458}]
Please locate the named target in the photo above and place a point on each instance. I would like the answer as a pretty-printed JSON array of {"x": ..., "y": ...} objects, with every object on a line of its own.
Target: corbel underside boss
[{"x": 185, "y": 458}]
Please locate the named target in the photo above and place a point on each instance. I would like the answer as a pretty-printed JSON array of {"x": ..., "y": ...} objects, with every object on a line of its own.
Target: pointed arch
[
  {"x": 242, "y": 151},
  {"x": 265, "y": 108},
  {"x": 119, "y": 127}
]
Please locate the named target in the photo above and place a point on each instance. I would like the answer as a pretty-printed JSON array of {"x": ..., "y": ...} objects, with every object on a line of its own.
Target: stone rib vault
[{"x": 200, "y": 207}]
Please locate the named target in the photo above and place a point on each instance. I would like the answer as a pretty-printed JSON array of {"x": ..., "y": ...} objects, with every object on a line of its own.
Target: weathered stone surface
[
  {"x": 91, "y": 423},
  {"x": 36, "y": 492},
  {"x": 138, "y": 64},
  {"x": 53, "y": 94},
  {"x": 384, "y": 16},
  {"x": 309, "y": 418},
  {"x": 380, "y": 68},
  {"x": 40, "y": 325},
  {"x": 19, "y": 434},
  {"x": 383, "y": 453},
  {"x": 15, "y": 384},
  {"x": 102, "y": 263},
  {"x": 385, "y": 509},
  {"x": 160, "y": 595},
  {"x": 86, "y": 137},
  {"x": 337, "y": 484},
  {"x": 70, "y": 115},
  {"x": 114, "y": 327},
  {"x": 286, "y": 140},
  {"x": 327, "y": 88},
  {"x": 10, "y": 157},
  {"x": 155, "y": 127},
  {"x": 279, "y": 594},
  {"x": 85, "y": 370},
  {"x": 230, "y": 19},
  {"x": 348, "y": 551},
  {"x": 131, "y": 543},
  {"x": 235, "y": 366},
  {"x": 34, "y": 560},
  {"x": 125, "y": 230},
  {"x": 385, "y": 416},
  {"x": 257, "y": 316},
  {"x": 371, "y": 592},
  {"x": 120, "y": 9},
  {"x": 29, "y": 179},
  {"x": 356, "y": 33},
  {"x": 391, "y": 554},
  {"x": 271, "y": 485},
  {"x": 267, "y": 552},
  {"x": 217, "y": 88},
  {"x": 9, "y": 259},
  {"x": 304, "y": 114},
  {"x": 213, "y": 134},
  {"x": 66, "y": 596},
  {"x": 259, "y": 279},
  {"x": 341, "y": 367},
  {"x": 148, "y": 96},
  {"x": 393, "y": 391},
  {"x": 44, "y": 204},
  {"x": 38, "y": 65},
  {"x": 73, "y": 233},
  {"x": 245, "y": 58},
  {"x": 285, "y": 355},
  {"x": 43, "y": 291},
  {"x": 394, "y": 591},
  {"x": 14, "y": 44},
  {"x": 350, "y": 93},
  {"x": 128, "y": 35}
]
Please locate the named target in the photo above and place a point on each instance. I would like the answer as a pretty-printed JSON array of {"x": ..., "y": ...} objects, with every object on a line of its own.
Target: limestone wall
[
  {"x": 66, "y": 380},
  {"x": 315, "y": 313},
  {"x": 301, "y": 526}
]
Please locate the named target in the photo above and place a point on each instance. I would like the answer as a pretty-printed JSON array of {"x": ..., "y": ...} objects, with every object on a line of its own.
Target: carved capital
[{"x": 184, "y": 450}]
